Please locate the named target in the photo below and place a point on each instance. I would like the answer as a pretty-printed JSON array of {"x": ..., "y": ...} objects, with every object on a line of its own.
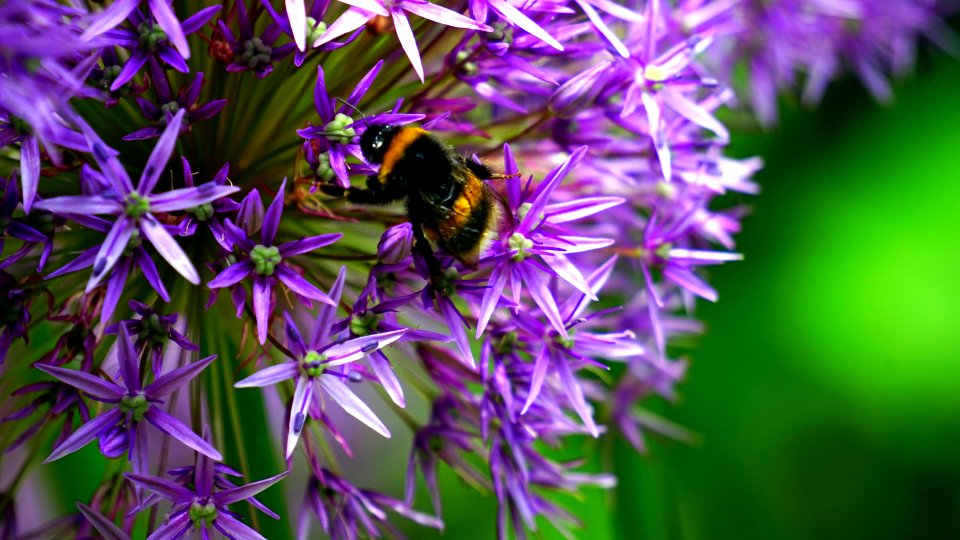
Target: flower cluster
[{"x": 137, "y": 313}]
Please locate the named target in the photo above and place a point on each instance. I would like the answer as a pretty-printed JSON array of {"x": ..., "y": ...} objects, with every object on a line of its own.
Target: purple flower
[
  {"x": 149, "y": 36},
  {"x": 153, "y": 331},
  {"x": 250, "y": 51},
  {"x": 14, "y": 130},
  {"x": 362, "y": 11},
  {"x": 122, "y": 429},
  {"x": 266, "y": 262},
  {"x": 134, "y": 256},
  {"x": 210, "y": 213},
  {"x": 538, "y": 243},
  {"x": 337, "y": 134},
  {"x": 203, "y": 507},
  {"x": 370, "y": 315},
  {"x": 107, "y": 529},
  {"x": 135, "y": 206},
  {"x": 309, "y": 26},
  {"x": 168, "y": 104},
  {"x": 31, "y": 230},
  {"x": 346, "y": 511},
  {"x": 515, "y": 17},
  {"x": 322, "y": 364}
]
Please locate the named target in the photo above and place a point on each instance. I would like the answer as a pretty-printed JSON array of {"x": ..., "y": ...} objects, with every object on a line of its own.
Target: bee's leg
[
  {"x": 484, "y": 172},
  {"x": 358, "y": 195},
  {"x": 425, "y": 250}
]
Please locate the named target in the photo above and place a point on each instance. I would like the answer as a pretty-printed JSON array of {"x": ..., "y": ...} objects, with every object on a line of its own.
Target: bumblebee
[{"x": 446, "y": 197}]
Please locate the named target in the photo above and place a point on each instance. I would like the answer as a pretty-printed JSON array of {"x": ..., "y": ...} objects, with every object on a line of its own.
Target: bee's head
[{"x": 375, "y": 141}]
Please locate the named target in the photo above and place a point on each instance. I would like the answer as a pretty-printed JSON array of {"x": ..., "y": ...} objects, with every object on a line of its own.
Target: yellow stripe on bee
[
  {"x": 463, "y": 206},
  {"x": 398, "y": 146}
]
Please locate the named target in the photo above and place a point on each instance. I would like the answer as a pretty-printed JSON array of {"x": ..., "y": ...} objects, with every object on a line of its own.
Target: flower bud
[
  {"x": 115, "y": 442},
  {"x": 395, "y": 244}
]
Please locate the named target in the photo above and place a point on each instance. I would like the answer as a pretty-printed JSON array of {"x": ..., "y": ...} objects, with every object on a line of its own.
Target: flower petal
[
  {"x": 86, "y": 433},
  {"x": 111, "y": 250},
  {"x": 174, "y": 529},
  {"x": 357, "y": 348},
  {"x": 171, "y": 25},
  {"x": 384, "y": 371},
  {"x": 184, "y": 198},
  {"x": 176, "y": 429},
  {"x": 351, "y": 19},
  {"x": 161, "y": 486},
  {"x": 352, "y": 405},
  {"x": 160, "y": 155},
  {"x": 540, "y": 366},
  {"x": 261, "y": 306},
  {"x": 306, "y": 245},
  {"x": 296, "y": 283},
  {"x": 298, "y": 412},
  {"x": 297, "y": 14},
  {"x": 269, "y": 375},
  {"x": 407, "y": 40},
  {"x": 177, "y": 378},
  {"x": 232, "y": 528},
  {"x": 128, "y": 359},
  {"x": 169, "y": 249},
  {"x": 240, "y": 493},
  {"x": 443, "y": 16},
  {"x": 29, "y": 170},
  {"x": 95, "y": 386},
  {"x": 233, "y": 274},
  {"x": 81, "y": 204},
  {"x": 575, "y": 394},
  {"x": 271, "y": 220},
  {"x": 107, "y": 529},
  {"x": 514, "y": 15}
]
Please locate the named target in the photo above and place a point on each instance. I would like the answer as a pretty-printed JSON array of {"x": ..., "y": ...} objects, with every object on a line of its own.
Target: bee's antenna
[{"x": 352, "y": 106}]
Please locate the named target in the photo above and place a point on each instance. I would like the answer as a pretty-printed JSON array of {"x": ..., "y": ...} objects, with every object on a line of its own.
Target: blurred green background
[{"x": 827, "y": 389}]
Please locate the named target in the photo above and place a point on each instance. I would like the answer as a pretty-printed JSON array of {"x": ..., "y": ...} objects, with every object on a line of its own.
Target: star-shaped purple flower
[
  {"x": 204, "y": 508},
  {"x": 134, "y": 206},
  {"x": 122, "y": 429},
  {"x": 337, "y": 133},
  {"x": 265, "y": 262},
  {"x": 362, "y": 11},
  {"x": 322, "y": 364}
]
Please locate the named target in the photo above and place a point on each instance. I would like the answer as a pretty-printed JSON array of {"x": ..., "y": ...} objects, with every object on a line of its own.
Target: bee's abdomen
[{"x": 462, "y": 230}]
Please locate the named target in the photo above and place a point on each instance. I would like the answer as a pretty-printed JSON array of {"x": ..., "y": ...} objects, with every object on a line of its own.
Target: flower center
[
  {"x": 507, "y": 344},
  {"x": 447, "y": 281},
  {"x": 136, "y": 406},
  {"x": 337, "y": 130},
  {"x": 313, "y": 364},
  {"x": 324, "y": 171},
  {"x": 255, "y": 53},
  {"x": 314, "y": 30},
  {"x": 466, "y": 68},
  {"x": 137, "y": 205},
  {"x": 152, "y": 329},
  {"x": 565, "y": 341},
  {"x": 654, "y": 76},
  {"x": 265, "y": 259},
  {"x": 663, "y": 251},
  {"x": 521, "y": 245},
  {"x": 151, "y": 36},
  {"x": 364, "y": 324},
  {"x": 202, "y": 513},
  {"x": 203, "y": 212},
  {"x": 169, "y": 110}
]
